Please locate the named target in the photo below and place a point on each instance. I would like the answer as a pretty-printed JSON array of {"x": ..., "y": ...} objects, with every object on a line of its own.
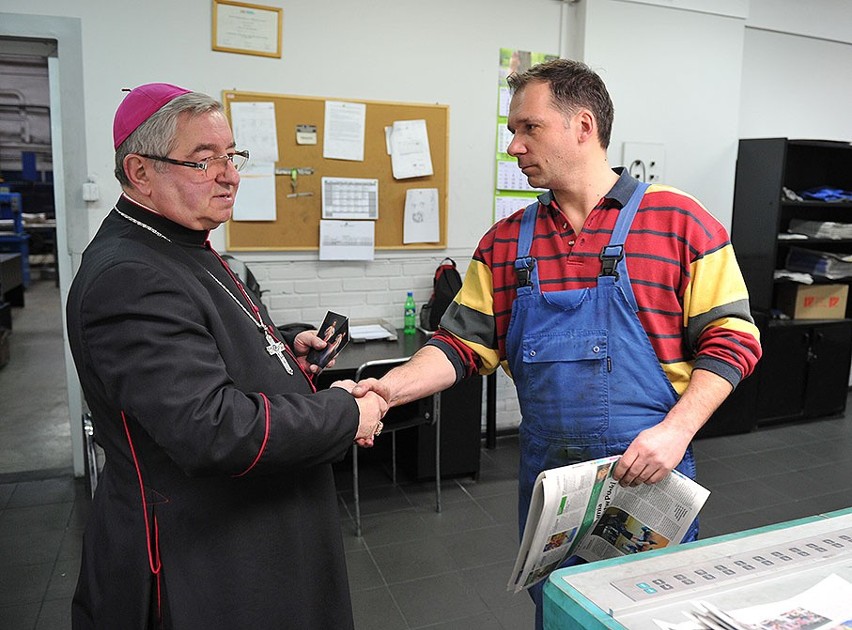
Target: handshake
[
  {"x": 371, "y": 395},
  {"x": 427, "y": 372}
]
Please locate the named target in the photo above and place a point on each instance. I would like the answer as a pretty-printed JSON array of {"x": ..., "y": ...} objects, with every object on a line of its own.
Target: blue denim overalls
[{"x": 588, "y": 379}]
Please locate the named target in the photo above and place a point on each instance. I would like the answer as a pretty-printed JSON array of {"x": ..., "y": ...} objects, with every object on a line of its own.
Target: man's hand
[
  {"x": 346, "y": 384},
  {"x": 304, "y": 342},
  {"x": 652, "y": 455},
  {"x": 371, "y": 385},
  {"x": 656, "y": 451},
  {"x": 427, "y": 372},
  {"x": 372, "y": 408}
]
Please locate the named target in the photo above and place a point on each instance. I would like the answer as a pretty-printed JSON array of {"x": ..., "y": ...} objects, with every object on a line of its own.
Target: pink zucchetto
[{"x": 139, "y": 105}]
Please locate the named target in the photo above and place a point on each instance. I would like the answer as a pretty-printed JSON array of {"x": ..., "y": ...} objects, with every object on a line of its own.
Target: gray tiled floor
[{"x": 413, "y": 568}]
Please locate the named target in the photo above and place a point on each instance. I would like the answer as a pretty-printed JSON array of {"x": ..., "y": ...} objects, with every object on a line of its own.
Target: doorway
[
  {"x": 46, "y": 37},
  {"x": 35, "y": 433}
]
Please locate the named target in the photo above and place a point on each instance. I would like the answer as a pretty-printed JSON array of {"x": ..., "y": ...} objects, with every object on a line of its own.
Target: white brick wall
[
  {"x": 303, "y": 290},
  {"x": 507, "y": 409}
]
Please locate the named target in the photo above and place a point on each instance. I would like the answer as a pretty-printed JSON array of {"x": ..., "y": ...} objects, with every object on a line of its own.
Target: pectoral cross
[{"x": 277, "y": 348}]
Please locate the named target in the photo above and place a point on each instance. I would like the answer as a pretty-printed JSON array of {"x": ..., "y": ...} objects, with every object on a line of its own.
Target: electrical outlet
[
  {"x": 90, "y": 191},
  {"x": 645, "y": 161}
]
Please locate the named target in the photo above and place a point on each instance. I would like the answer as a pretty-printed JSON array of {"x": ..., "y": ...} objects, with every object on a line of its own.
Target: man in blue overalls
[{"x": 617, "y": 308}]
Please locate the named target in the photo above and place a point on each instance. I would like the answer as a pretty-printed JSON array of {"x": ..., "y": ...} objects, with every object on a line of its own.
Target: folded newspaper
[{"x": 581, "y": 510}]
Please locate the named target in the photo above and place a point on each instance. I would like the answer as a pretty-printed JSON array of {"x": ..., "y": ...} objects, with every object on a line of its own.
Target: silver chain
[
  {"x": 143, "y": 225},
  {"x": 274, "y": 347},
  {"x": 257, "y": 322}
]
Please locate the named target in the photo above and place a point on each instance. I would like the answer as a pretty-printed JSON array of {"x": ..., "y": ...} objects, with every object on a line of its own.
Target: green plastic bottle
[{"x": 410, "y": 323}]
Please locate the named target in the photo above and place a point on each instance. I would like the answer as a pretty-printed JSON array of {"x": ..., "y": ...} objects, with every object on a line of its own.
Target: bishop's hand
[
  {"x": 372, "y": 408},
  {"x": 304, "y": 342}
]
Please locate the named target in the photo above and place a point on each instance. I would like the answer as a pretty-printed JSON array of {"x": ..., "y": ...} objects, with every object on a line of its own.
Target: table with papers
[
  {"x": 764, "y": 566},
  {"x": 371, "y": 331}
]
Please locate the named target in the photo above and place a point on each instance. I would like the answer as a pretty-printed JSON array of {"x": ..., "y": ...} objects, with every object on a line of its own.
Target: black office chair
[
  {"x": 242, "y": 271},
  {"x": 423, "y": 412},
  {"x": 90, "y": 454}
]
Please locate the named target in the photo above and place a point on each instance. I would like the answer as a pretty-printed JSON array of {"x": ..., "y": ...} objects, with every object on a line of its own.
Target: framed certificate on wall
[{"x": 249, "y": 29}]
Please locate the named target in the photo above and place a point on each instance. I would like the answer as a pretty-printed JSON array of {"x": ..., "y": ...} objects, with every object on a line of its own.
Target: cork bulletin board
[{"x": 296, "y": 224}]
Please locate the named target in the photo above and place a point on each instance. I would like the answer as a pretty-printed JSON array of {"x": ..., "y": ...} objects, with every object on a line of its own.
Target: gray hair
[{"x": 157, "y": 135}]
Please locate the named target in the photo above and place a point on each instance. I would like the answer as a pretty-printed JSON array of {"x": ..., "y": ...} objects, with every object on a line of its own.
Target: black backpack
[{"x": 445, "y": 285}]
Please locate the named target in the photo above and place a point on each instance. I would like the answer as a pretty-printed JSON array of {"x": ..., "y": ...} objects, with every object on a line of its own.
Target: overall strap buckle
[
  {"x": 610, "y": 255},
  {"x": 523, "y": 269}
]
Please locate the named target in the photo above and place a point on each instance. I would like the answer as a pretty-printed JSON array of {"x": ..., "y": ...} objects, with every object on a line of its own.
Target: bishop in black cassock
[{"x": 217, "y": 506}]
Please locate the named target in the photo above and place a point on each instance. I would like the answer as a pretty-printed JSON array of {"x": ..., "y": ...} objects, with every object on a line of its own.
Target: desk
[
  {"x": 11, "y": 279},
  {"x": 18, "y": 244},
  {"x": 43, "y": 243},
  {"x": 735, "y": 571},
  {"x": 13, "y": 239},
  {"x": 461, "y": 411}
]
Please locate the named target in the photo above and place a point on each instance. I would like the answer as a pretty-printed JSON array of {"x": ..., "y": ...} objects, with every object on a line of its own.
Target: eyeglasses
[{"x": 238, "y": 158}]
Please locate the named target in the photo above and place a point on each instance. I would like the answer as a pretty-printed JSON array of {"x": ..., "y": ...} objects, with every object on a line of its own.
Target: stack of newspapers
[
  {"x": 821, "y": 229},
  {"x": 823, "y": 264},
  {"x": 825, "y": 606}
]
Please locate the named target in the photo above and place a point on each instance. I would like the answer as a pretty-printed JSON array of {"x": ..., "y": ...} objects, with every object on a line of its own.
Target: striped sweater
[{"x": 692, "y": 300}]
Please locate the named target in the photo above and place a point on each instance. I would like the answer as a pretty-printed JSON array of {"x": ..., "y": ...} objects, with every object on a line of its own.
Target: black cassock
[{"x": 216, "y": 507}]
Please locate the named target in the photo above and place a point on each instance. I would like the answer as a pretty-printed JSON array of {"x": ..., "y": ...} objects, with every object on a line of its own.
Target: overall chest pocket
[
  {"x": 570, "y": 347},
  {"x": 564, "y": 383}
]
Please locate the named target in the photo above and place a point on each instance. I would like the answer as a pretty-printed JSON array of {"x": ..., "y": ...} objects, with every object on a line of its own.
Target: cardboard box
[{"x": 813, "y": 301}]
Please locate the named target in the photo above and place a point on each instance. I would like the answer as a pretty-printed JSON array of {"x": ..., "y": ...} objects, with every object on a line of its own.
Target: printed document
[
  {"x": 256, "y": 201},
  {"x": 254, "y": 129},
  {"x": 825, "y": 606},
  {"x": 347, "y": 240},
  {"x": 409, "y": 144},
  {"x": 343, "y": 138},
  {"x": 421, "y": 216},
  {"x": 350, "y": 198}
]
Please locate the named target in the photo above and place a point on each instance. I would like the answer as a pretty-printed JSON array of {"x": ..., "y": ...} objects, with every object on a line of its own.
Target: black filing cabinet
[
  {"x": 461, "y": 435},
  {"x": 806, "y": 371}
]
